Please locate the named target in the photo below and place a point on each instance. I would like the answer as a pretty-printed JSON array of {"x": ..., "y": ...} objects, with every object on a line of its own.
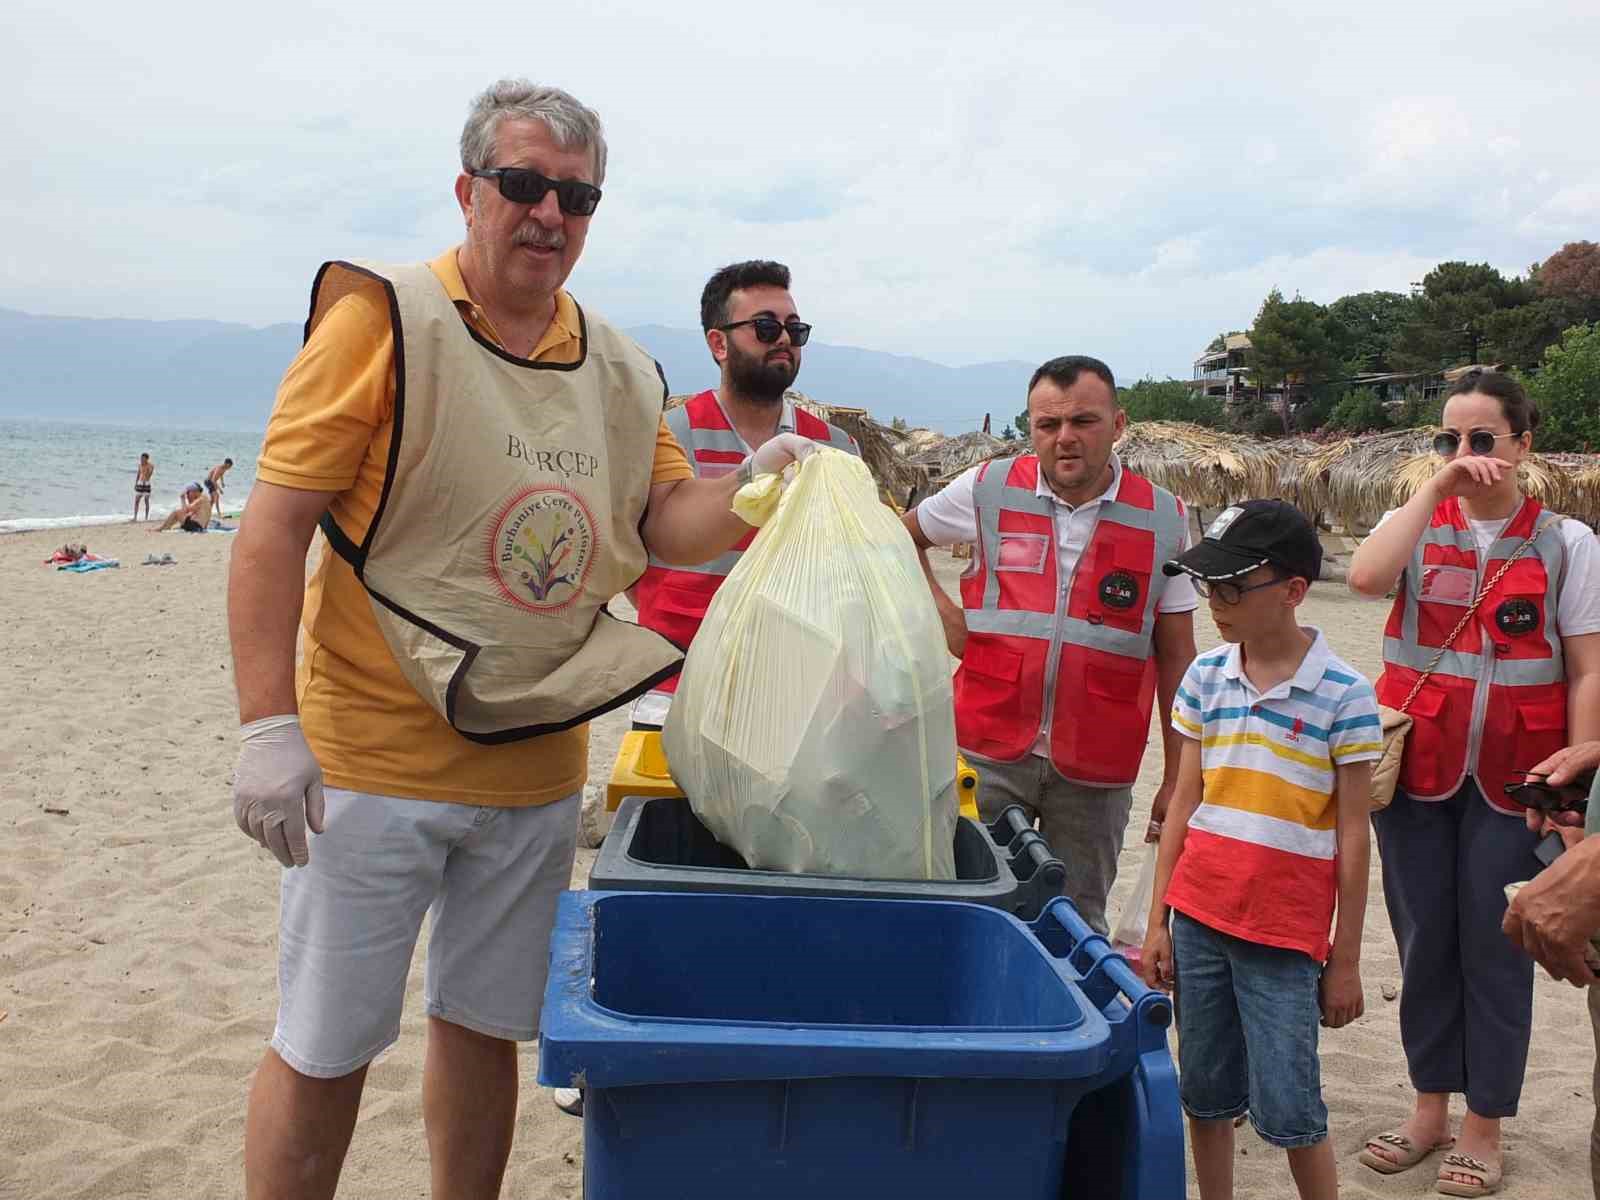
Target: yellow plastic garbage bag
[{"x": 814, "y": 725}]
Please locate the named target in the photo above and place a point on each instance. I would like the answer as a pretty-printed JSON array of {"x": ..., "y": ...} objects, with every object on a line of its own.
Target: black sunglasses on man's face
[
  {"x": 521, "y": 185},
  {"x": 767, "y": 329}
]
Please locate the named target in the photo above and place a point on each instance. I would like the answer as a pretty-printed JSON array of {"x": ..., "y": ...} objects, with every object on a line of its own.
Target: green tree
[
  {"x": 899, "y": 425},
  {"x": 1519, "y": 336},
  {"x": 1360, "y": 411},
  {"x": 1362, "y": 328},
  {"x": 1168, "y": 400},
  {"x": 1290, "y": 348},
  {"x": 1567, "y": 391},
  {"x": 1448, "y": 319}
]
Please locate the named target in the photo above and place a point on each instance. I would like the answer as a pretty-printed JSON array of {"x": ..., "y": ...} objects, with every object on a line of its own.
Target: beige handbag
[{"x": 1396, "y": 722}]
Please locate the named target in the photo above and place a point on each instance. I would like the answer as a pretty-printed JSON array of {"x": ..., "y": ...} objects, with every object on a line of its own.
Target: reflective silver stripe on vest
[
  {"x": 840, "y": 440},
  {"x": 677, "y": 420},
  {"x": 1508, "y": 672},
  {"x": 720, "y": 565}
]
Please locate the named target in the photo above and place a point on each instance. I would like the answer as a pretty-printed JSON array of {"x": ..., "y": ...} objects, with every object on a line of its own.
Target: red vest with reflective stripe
[
  {"x": 1072, "y": 656},
  {"x": 1497, "y": 702},
  {"x": 673, "y": 600}
]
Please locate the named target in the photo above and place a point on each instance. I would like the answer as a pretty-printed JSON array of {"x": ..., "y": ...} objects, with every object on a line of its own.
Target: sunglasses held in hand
[
  {"x": 1479, "y": 442},
  {"x": 521, "y": 185},
  {"x": 1541, "y": 796},
  {"x": 767, "y": 329}
]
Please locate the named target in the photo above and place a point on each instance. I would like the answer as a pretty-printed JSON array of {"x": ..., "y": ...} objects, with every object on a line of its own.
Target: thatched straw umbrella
[
  {"x": 1208, "y": 469},
  {"x": 1358, "y": 479},
  {"x": 946, "y": 459}
]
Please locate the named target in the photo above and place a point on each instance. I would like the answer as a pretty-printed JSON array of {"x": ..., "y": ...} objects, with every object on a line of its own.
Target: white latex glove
[
  {"x": 778, "y": 451},
  {"x": 277, "y": 788}
]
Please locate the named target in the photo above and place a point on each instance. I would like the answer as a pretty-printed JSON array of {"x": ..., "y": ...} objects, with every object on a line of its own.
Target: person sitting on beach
[
  {"x": 1555, "y": 917},
  {"x": 192, "y": 515},
  {"x": 1266, "y": 838},
  {"x": 214, "y": 483},
  {"x": 1493, "y": 649},
  {"x": 141, "y": 485}
]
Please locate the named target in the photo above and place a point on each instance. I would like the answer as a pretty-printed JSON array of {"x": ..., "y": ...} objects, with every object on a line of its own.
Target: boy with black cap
[{"x": 1267, "y": 830}]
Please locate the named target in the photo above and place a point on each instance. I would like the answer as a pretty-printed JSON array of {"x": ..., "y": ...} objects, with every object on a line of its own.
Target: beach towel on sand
[{"x": 88, "y": 564}]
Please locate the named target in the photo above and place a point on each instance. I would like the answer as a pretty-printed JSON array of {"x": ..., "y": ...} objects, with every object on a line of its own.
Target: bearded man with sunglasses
[
  {"x": 489, "y": 465},
  {"x": 1067, "y": 629},
  {"x": 755, "y": 336}
]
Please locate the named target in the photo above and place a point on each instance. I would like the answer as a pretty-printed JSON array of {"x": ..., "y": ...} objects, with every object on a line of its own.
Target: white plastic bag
[
  {"x": 1127, "y": 939},
  {"x": 813, "y": 728}
]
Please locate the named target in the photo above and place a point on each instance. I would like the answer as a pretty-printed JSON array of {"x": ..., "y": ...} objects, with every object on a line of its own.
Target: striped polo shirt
[{"x": 1260, "y": 858}]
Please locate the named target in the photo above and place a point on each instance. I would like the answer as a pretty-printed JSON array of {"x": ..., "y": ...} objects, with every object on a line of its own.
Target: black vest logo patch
[
  {"x": 1119, "y": 590},
  {"x": 1517, "y": 616}
]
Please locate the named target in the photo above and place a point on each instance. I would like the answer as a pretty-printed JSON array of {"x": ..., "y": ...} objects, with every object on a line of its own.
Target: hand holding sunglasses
[{"x": 1537, "y": 794}]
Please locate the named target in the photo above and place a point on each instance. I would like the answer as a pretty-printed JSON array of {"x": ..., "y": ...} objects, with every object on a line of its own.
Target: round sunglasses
[
  {"x": 767, "y": 329},
  {"x": 1479, "y": 442},
  {"x": 521, "y": 185}
]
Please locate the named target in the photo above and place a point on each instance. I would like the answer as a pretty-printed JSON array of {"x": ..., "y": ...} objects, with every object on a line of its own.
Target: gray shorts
[{"x": 487, "y": 878}]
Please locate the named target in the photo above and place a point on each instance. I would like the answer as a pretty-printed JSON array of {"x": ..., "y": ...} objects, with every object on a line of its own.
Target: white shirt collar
[
  {"x": 1041, "y": 487},
  {"x": 1306, "y": 676}
]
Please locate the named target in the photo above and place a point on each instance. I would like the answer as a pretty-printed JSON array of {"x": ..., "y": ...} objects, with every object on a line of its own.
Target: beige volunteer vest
[{"x": 509, "y": 516}]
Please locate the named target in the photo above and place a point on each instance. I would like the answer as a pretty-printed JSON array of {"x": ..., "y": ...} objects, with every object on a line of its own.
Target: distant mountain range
[{"x": 212, "y": 374}]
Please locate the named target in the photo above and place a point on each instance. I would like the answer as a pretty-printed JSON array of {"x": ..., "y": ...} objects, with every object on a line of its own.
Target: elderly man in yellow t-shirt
[{"x": 489, "y": 465}]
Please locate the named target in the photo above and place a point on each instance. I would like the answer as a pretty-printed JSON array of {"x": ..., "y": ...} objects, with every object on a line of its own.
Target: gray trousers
[
  {"x": 1084, "y": 825},
  {"x": 1466, "y": 999}
]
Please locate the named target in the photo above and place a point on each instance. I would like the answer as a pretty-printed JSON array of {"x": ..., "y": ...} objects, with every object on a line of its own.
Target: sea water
[{"x": 55, "y": 474}]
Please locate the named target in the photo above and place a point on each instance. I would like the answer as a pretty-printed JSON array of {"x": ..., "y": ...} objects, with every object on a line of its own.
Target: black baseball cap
[{"x": 1250, "y": 535}]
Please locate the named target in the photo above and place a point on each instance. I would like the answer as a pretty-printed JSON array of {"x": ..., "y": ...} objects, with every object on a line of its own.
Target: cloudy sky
[{"x": 962, "y": 182}]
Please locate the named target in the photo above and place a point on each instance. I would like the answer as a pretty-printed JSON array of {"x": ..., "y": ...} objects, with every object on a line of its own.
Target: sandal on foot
[
  {"x": 1488, "y": 1177},
  {"x": 1410, "y": 1154}
]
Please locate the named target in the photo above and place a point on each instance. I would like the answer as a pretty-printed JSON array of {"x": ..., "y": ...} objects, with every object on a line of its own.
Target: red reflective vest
[
  {"x": 1497, "y": 702},
  {"x": 1071, "y": 656},
  {"x": 672, "y": 600}
]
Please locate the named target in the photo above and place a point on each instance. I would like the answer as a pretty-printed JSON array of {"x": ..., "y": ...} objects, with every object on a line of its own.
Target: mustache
[{"x": 534, "y": 235}]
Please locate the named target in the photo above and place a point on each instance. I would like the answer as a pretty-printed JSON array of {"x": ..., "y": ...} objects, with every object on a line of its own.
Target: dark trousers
[{"x": 1466, "y": 1001}]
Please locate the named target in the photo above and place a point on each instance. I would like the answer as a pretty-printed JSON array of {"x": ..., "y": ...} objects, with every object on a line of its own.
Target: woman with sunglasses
[{"x": 1491, "y": 690}]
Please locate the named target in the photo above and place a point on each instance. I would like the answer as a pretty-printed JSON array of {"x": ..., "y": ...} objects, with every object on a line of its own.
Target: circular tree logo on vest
[
  {"x": 1118, "y": 589},
  {"x": 1517, "y": 617},
  {"x": 541, "y": 547}
]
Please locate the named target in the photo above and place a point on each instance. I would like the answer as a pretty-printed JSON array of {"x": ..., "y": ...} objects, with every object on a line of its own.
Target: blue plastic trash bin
[{"x": 776, "y": 1046}]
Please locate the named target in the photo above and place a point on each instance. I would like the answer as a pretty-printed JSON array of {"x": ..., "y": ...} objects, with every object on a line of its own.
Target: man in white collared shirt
[{"x": 1067, "y": 629}]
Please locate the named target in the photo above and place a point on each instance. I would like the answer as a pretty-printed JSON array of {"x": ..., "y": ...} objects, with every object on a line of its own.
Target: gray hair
[{"x": 572, "y": 124}]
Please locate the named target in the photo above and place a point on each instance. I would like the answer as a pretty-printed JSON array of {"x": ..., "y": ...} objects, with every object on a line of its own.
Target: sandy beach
[{"x": 138, "y": 927}]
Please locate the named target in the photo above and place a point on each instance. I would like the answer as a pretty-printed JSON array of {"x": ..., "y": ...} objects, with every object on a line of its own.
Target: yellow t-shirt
[{"x": 329, "y": 432}]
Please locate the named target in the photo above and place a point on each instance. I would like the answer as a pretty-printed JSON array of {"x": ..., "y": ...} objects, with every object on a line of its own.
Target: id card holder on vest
[
  {"x": 1023, "y": 552},
  {"x": 1447, "y": 585}
]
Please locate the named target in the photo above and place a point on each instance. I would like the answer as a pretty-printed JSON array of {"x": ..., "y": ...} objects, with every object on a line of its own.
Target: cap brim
[{"x": 1213, "y": 561}]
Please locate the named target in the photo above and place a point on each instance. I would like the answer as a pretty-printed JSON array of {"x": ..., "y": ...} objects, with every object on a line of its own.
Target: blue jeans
[{"x": 1248, "y": 1016}]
